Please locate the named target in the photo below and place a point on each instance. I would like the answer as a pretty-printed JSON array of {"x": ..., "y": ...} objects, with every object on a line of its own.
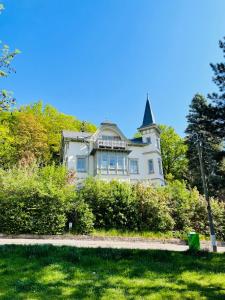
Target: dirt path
[{"x": 102, "y": 243}]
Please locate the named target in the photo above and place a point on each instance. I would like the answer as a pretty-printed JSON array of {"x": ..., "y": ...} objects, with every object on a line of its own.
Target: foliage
[
  {"x": 186, "y": 207},
  {"x": 7, "y": 101},
  {"x": 81, "y": 217},
  {"x": 43, "y": 201},
  {"x": 54, "y": 123},
  {"x": 112, "y": 203},
  {"x": 145, "y": 208},
  {"x": 198, "y": 122},
  {"x": 47, "y": 272},
  {"x": 34, "y": 200},
  {"x": 217, "y": 110},
  {"x": 7, "y": 151},
  {"x": 173, "y": 151},
  {"x": 153, "y": 210},
  {"x": 34, "y": 134},
  {"x": 31, "y": 141}
]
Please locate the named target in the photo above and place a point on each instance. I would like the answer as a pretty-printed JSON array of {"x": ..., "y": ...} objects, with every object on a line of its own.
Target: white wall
[
  {"x": 78, "y": 149},
  {"x": 143, "y": 154}
]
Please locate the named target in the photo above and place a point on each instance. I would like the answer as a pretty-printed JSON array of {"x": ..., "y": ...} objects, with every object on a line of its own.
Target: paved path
[{"x": 89, "y": 243}]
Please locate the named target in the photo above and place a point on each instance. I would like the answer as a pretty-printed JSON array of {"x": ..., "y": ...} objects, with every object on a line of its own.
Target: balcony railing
[{"x": 108, "y": 144}]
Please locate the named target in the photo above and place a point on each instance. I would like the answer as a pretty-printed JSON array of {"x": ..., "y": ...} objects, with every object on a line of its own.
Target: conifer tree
[
  {"x": 199, "y": 122},
  {"x": 218, "y": 99}
]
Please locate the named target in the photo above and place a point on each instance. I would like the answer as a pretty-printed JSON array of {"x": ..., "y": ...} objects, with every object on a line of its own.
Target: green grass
[
  {"x": 48, "y": 272},
  {"x": 142, "y": 234}
]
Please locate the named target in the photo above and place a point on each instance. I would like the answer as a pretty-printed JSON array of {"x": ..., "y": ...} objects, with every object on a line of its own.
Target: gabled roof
[
  {"x": 148, "y": 119},
  {"x": 110, "y": 126}
]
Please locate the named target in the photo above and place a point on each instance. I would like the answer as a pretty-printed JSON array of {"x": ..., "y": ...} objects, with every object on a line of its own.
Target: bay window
[{"x": 111, "y": 162}]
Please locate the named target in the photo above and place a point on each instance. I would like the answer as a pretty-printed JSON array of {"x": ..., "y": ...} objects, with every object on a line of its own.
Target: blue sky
[{"x": 96, "y": 59}]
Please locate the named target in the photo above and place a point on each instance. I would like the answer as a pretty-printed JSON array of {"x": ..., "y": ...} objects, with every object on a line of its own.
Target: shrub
[
  {"x": 152, "y": 209},
  {"x": 81, "y": 216},
  {"x": 34, "y": 200},
  {"x": 41, "y": 200},
  {"x": 218, "y": 211},
  {"x": 113, "y": 203}
]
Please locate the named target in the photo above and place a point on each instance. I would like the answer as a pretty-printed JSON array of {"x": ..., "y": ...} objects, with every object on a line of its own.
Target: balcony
[{"x": 110, "y": 144}]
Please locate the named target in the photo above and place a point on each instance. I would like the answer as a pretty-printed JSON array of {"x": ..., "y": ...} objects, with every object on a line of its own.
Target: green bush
[
  {"x": 113, "y": 203},
  {"x": 34, "y": 200},
  {"x": 81, "y": 217},
  {"x": 42, "y": 201},
  {"x": 218, "y": 211},
  {"x": 152, "y": 209}
]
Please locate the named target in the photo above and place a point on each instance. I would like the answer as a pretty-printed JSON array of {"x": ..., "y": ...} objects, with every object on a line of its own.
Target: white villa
[{"x": 108, "y": 154}]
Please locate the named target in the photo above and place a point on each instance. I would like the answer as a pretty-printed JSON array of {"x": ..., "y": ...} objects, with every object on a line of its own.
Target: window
[
  {"x": 150, "y": 166},
  {"x": 110, "y": 138},
  {"x": 120, "y": 162},
  {"x": 160, "y": 166},
  {"x": 81, "y": 164},
  {"x": 112, "y": 162},
  {"x": 148, "y": 140},
  {"x": 104, "y": 161},
  {"x": 158, "y": 143},
  {"x": 133, "y": 166}
]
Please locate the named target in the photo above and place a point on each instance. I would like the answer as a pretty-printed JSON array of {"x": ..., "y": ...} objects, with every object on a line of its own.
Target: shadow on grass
[{"x": 47, "y": 272}]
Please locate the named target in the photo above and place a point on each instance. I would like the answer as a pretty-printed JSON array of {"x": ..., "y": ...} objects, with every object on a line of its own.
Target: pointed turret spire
[{"x": 148, "y": 115}]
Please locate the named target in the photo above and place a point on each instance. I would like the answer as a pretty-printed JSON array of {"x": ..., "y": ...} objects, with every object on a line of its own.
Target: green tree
[
  {"x": 6, "y": 57},
  {"x": 217, "y": 110},
  {"x": 30, "y": 139},
  {"x": 173, "y": 151},
  {"x": 34, "y": 133},
  {"x": 198, "y": 122},
  {"x": 54, "y": 122}
]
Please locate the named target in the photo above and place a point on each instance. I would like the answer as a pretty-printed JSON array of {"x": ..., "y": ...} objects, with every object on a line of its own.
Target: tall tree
[
  {"x": 218, "y": 98},
  {"x": 199, "y": 122},
  {"x": 54, "y": 122},
  {"x": 173, "y": 150},
  {"x": 34, "y": 132},
  {"x": 6, "y": 56}
]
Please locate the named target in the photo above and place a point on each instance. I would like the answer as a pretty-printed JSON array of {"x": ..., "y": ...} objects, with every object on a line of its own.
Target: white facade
[{"x": 108, "y": 154}]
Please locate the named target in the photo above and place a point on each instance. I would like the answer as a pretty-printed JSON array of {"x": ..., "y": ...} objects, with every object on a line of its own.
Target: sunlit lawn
[{"x": 48, "y": 272}]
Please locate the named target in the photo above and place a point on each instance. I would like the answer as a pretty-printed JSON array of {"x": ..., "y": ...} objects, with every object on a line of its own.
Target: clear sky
[{"x": 97, "y": 59}]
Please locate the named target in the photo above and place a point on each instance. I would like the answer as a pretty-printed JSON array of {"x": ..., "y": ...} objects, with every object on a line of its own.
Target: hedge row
[{"x": 42, "y": 200}]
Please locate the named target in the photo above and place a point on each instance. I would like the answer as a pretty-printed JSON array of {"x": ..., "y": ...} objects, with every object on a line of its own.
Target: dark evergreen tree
[
  {"x": 217, "y": 109},
  {"x": 199, "y": 122}
]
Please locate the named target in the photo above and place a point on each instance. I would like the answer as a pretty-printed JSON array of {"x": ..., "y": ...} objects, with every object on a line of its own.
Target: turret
[
  {"x": 149, "y": 130},
  {"x": 150, "y": 133}
]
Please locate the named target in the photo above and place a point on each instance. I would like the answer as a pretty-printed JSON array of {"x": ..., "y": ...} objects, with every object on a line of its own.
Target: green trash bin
[{"x": 193, "y": 241}]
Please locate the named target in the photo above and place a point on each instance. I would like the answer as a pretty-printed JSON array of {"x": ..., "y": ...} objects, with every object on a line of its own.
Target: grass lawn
[
  {"x": 143, "y": 234},
  {"x": 48, "y": 272}
]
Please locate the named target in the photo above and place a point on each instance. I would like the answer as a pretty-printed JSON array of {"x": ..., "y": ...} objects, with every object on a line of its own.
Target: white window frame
[
  {"x": 85, "y": 159},
  {"x": 108, "y": 169},
  {"x": 133, "y": 159},
  {"x": 158, "y": 143},
  {"x": 153, "y": 170},
  {"x": 160, "y": 166}
]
